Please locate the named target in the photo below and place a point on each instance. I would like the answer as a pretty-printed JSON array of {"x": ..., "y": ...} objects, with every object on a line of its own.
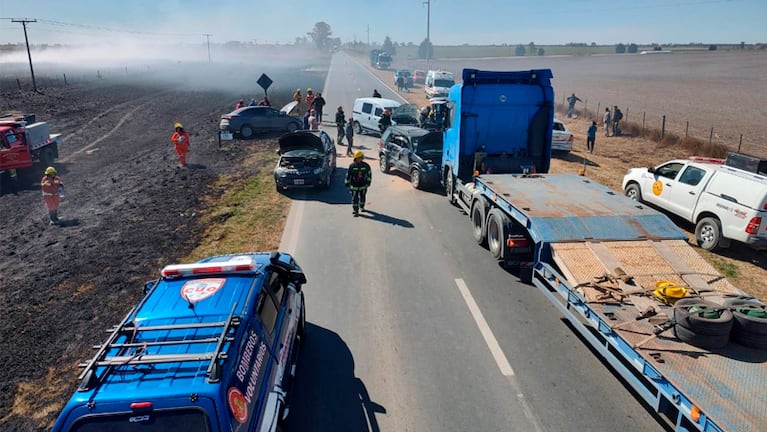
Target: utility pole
[
  {"x": 29, "y": 54},
  {"x": 207, "y": 37},
  {"x": 428, "y": 31},
  {"x": 368, "y": 36}
]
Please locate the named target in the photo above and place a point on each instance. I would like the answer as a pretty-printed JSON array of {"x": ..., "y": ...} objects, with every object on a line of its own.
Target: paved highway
[{"x": 414, "y": 327}]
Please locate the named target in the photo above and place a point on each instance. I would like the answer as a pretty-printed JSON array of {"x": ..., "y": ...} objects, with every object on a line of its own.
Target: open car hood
[
  {"x": 289, "y": 107},
  {"x": 405, "y": 111},
  {"x": 300, "y": 140}
]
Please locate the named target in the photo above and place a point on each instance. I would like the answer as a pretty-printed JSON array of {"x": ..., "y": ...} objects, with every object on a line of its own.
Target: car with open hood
[
  {"x": 248, "y": 121},
  {"x": 307, "y": 159},
  {"x": 413, "y": 151}
]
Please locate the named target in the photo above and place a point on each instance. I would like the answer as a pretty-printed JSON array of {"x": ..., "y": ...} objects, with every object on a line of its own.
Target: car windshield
[
  {"x": 188, "y": 420},
  {"x": 443, "y": 83}
]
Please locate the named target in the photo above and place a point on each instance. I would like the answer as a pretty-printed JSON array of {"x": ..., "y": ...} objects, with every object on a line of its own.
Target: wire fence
[{"x": 19, "y": 81}]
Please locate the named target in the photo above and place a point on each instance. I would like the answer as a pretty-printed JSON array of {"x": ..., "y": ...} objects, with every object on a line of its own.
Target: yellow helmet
[
  {"x": 359, "y": 155},
  {"x": 309, "y": 90},
  {"x": 50, "y": 171},
  {"x": 178, "y": 125}
]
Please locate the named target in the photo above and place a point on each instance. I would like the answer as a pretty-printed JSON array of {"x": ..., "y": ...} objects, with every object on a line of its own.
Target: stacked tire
[
  {"x": 702, "y": 323},
  {"x": 750, "y": 322}
]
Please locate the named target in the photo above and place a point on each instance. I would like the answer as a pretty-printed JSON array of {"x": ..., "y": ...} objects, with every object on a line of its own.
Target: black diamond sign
[{"x": 264, "y": 81}]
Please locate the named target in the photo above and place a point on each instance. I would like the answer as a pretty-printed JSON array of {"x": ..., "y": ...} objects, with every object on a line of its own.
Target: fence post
[
  {"x": 711, "y": 135},
  {"x": 627, "y": 115},
  {"x": 643, "y": 114},
  {"x": 740, "y": 143},
  {"x": 663, "y": 127},
  {"x": 599, "y": 104},
  {"x": 65, "y": 79},
  {"x": 126, "y": 70},
  {"x": 585, "y": 106},
  {"x": 18, "y": 83},
  {"x": 686, "y": 129}
]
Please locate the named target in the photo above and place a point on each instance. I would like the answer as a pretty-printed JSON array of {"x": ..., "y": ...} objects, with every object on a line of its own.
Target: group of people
[
  {"x": 314, "y": 103},
  {"x": 610, "y": 121},
  {"x": 263, "y": 102}
]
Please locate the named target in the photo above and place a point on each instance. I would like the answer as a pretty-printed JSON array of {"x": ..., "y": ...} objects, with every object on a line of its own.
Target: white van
[
  {"x": 368, "y": 110},
  {"x": 438, "y": 83}
]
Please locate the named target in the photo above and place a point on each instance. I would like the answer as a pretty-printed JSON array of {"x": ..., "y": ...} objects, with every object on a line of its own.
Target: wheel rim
[
  {"x": 476, "y": 221},
  {"x": 449, "y": 186},
  {"x": 493, "y": 237},
  {"x": 246, "y": 132},
  {"x": 631, "y": 193},
  {"x": 707, "y": 235},
  {"x": 383, "y": 163},
  {"x": 415, "y": 178}
]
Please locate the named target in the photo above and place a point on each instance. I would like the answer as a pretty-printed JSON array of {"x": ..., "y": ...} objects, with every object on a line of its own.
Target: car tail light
[
  {"x": 753, "y": 225},
  {"x": 229, "y": 117},
  {"x": 515, "y": 242},
  {"x": 570, "y": 140},
  {"x": 380, "y": 145}
]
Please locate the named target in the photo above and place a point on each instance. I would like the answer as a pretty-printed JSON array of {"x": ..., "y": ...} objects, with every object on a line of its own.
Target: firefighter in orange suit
[
  {"x": 52, "y": 185},
  {"x": 180, "y": 139}
]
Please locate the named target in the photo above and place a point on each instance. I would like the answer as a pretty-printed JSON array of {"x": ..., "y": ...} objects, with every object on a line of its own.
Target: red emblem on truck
[{"x": 200, "y": 289}]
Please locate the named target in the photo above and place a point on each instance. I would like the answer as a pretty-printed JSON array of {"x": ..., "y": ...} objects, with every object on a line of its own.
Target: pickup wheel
[
  {"x": 634, "y": 192},
  {"x": 497, "y": 224},
  {"x": 708, "y": 233},
  {"x": 383, "y": 163},
  {"x": 479, "y": 221},
  {"x": 247, "y": 131},
  {"x": 415, "y": 178}
]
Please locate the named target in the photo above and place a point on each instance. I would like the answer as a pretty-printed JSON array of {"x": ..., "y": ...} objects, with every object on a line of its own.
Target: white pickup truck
[{"x": 724, "y": 202}]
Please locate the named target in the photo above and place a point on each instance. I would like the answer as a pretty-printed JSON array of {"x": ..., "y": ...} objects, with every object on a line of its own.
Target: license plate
[
  {"x": 298, "y": 181},
  {"x": 226, "y": 136}
]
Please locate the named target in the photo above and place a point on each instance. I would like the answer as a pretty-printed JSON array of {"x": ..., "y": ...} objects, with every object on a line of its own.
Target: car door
[
  {"x": 686, "y": 190},
  {"x": 273, "y": 121},
  {"x": 406, "y": 154},
  {"x": 330, "y": 152},
  {"x": 367, "y": 120},
  {"x": 658, "y": 188},
  {"x": 395, "y": 149},
  {"x": 14, "y": 152}
]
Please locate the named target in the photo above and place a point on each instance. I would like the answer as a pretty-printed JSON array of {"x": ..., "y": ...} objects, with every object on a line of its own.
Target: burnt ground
[{"x": 127, "y": 211}]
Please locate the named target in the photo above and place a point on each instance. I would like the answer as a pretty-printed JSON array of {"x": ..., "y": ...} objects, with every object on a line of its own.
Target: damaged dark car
[
  {"x": 413, "y": 151},
  {"x": 307, "y": 160}
]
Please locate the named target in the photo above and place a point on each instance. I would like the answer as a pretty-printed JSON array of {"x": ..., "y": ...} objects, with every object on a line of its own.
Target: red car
[{"x": 419, "y": 77}]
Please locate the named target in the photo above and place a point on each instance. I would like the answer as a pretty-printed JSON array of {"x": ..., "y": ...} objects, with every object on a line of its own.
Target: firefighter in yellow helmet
[
  {"x": 180, "y": 140},
  {"x": 358, "y": 179},
  {"x": 53, "y": 188}
]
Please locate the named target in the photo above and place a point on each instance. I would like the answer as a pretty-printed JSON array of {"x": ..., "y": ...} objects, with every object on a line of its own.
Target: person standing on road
[
  {"x": 358, "y": 179},
  {"x": 52, "y": 187},
  {"x": 591, "y": 136},
  {"x": 349, "y": 136},
  {"x": 400, "y": 83},
  {"x": 607, "y": 121},
  {"x": 385, "y": 121},
  {"x": 617, "y": 117},
  {"x": 319, "y": 103},
  {"x": 314, "y": 123},
  {"x": 340, "y": 123},
  {"x": 297, "y": 99},
  {"x": 180, "y": 140},
  {"x": 571, "y": 104},
  {"x": 306, "y": 120}
]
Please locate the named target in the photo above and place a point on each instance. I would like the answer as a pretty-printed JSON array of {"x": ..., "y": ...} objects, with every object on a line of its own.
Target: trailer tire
[
  {"x": 497, "y": 230},
  {"x": 634, "y": 192},
  {"x": 479, "y": 220},
  {"x": 700, "y": 340},
  {"x": 699, "y": 324},
  {"x": 748, "y": 330},
  {"x": 708, "y": 233}
]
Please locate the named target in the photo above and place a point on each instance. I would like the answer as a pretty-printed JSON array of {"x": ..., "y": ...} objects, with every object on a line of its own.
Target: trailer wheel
[
  {"x": 708, "y": 233},
  {"x": 479, "y": 220},
  {"x": 497, "y": 224},
  {"x": 750, "y": 326}
]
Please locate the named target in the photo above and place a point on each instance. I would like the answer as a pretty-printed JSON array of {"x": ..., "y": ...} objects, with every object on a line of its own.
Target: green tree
[
  {"x": 541, "y": 52},
  {"x": 320, "y": 34},
  {"x": 388, "y": 46},
  {"x": 520, "y": 51},
  {"x": 531, "y": 48},
  {"x": 620, "y": 48},
  {"x": 425, "y": 49},
  {"x": 633, "y": 48}
]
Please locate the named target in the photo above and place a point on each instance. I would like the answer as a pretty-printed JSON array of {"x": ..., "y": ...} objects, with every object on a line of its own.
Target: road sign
[{"x": 264, "y": 81}]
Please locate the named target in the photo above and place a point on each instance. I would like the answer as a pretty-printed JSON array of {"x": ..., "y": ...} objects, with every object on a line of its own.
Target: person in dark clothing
[
  {"x": 265, "y": 101},
  {"x": 400, "y": 83},
  {"x": 358, "y": 179},
  {"x": 349, "y": 136},
  {"x": 571, "y": 104},
  {"x": 319, "y": 103},
  {"x": 591, "y": 136},
  {"x": 617, "y": 117},
  {"x": 376, "y": 94},
  {"x": 385, "y": 121},
  {"x": 340, "y": 123},
  {"x": 306, "y": 120}
]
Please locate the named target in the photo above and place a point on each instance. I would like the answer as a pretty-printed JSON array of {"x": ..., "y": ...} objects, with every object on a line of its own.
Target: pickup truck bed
[{"x": 584, "y": 231}]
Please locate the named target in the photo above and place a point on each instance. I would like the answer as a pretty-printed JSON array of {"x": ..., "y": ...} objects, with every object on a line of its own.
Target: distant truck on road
[
  {"x": 620, "y": 272},
  {"x": 23, "y": 141},
  {"x": 723, "y": 201},
  {"x": 380, "y": 59}
]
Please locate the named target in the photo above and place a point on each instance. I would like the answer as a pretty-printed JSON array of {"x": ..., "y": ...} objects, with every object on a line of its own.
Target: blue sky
[{"x": 452, "y": 21}]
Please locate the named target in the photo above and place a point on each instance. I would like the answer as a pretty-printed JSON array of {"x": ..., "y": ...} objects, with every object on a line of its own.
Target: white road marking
[
  {"x": 484, "y": 328},
  {"x": 289, "y": 240}
]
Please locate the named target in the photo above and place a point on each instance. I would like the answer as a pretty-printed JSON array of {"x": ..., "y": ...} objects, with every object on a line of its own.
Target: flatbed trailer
[{"x": 582, "y": 231}]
